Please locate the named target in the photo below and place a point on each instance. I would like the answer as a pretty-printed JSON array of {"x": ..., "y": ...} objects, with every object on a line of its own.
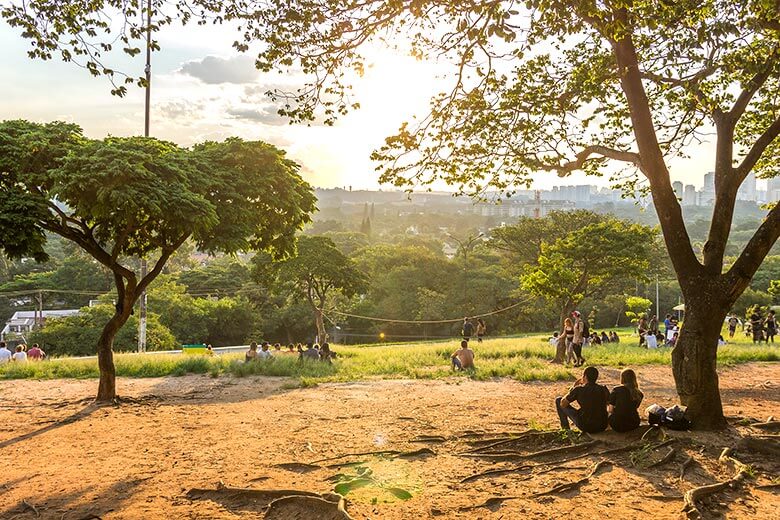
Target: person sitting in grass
[
  {"x": 673, "y": 340},
  {"x": 36, "y": 353},
  {"x": 265, "y": 353},
  {"x": 311, "y": 353},
  {"x": 20, "y": 356},
  {"x": 613, "y": 337},
  {"x": 463, "y": 358},
  {"x": 251, "y": 354},
  {"x": 651, "y": 341},
  {"x": 604, "y": 338},
  {"x": 624, "y": 403},
  {"x": 326, "y": 354},
  {"x": 591, "y": 416}
]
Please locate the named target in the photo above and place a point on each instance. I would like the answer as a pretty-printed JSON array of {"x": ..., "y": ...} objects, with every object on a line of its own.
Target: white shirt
[
  {"x": 264, "y": 354},
  {"x": 20, "y": 357},
  {"x": 5, "y": 356},
  {"x": 553, "y": 341},
  {"x": 651, "y": 340}
]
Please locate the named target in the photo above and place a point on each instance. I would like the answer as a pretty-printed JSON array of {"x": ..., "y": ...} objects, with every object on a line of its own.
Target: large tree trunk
[
  {"x": 694, "y": 359},
  {"x": 318, "y": 317},
  {"x": 107, "y": 386}
]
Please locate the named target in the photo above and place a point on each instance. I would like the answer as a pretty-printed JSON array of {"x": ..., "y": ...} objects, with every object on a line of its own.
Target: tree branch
[
  {"x": 755, "y": 83},
  {"x": 758, "y": 148},
  {"x": 585, "y": 155},
  {"x": 158, "y": 266},
  {"x": 754, "y": 253}
]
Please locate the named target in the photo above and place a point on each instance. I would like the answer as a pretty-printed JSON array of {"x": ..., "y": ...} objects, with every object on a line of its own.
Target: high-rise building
[
  {"x": 689, "y": 195},
  {"x": 747, "y": 191},
  {"x": 677, "y": 186},
  {"x": 707, "y": 195},
  {"x": 773, "y": 189}
]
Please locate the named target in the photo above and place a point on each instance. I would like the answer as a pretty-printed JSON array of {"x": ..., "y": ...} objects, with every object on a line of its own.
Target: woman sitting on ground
[
  {"x": 613, "y": 337},
  {"x": 251, "y": 355},
  {"x": 624, "y": 403},
  {"x": 326, "y": 354},
  {"x": 604, "y": 338}
]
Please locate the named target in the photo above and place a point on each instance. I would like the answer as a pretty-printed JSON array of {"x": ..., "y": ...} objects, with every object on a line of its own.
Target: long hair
[
  {"x": 567, "y": 323},
  {"x": 628, "y": 379}
]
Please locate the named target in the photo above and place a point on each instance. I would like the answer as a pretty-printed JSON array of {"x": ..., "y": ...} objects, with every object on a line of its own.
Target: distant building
[
  {"x": 677, "y": 186},
  {"x": 23, "y": 322},
  {"x": 707, "y": 195},
  {"x": 689, "y": 195},
  {"x": 773, "y": 189},
  {"x": 523, "y": 208},
  {"x": 747, "y": 191}
]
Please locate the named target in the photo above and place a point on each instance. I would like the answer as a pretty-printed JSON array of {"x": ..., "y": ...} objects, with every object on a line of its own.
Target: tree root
[
  {"x": 495, "y": 472},
  {"x": 280, "y": 503},
  {"x": 693, "y": 495},
  {"x": 487, "y": 444},
  {"x": 766, "y": 446},
  {"x": 422, "y": 452},
  {"x": 569, "y": 486},
  {"x": 298, "y": 467},
  {"x": 429, "y": 438},
  {"x": 768, "y": 487},
  {"x": 684, "y": 466},
  {"x": 31, "y": 507},
  {"x": 516, "y": 455},
  {"x": 771, "y": 426},
  {"x": 669, "y": 457}
]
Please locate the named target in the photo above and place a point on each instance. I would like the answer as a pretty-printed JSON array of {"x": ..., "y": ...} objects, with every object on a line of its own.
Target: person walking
[
  {"x": 733, "y": 322},
  {"x": 770, "y": 325},
  {"x": 568, "y": 334},
  {"x": 468, "y": 329},
  {"x": 481, "y": 329},
  {"x": 579, "y": 338},
  {"x": 757, "y": 326}
]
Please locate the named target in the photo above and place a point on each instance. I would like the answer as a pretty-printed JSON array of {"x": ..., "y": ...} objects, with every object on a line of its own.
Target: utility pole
[
  {"x": 148, "y": 72},
  {"x": 657, "y": 299}
]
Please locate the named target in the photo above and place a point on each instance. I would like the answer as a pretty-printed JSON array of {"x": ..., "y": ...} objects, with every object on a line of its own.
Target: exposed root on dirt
[
  {"x": 569, "y": 486},
  {"x": 768, "y": 487},
  {"x": 278, "y": 504},
  {"x": 766, "y": 446},
  {"x": 693, "y": 495},
  {"x": 495, "y": 472},
  {"x": 684, "y": 467},
  {"x": 422, "y": 452},
  {"x": 669, "y": 457},
  {"x": 770, "y": 426},
  {"x": 433, "y": 439},
  {"x": 516, "y": 455},
  {"x": 488, "y": 444},
  {"x": 298, "y": 467},
  {"x": 29, "y": 506}
]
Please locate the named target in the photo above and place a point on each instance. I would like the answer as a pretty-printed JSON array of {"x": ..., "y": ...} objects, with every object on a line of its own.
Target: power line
[{"x": 428, "y": 322}]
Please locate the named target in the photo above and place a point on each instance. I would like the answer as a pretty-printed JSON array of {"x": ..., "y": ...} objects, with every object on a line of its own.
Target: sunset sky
[{"x": 203, "y": 90}]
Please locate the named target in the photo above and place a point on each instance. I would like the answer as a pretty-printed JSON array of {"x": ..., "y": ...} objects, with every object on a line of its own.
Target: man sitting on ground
[
  {"x": 311, "y": 353},
  {"x": 265, "y": 353},
  {"x": 591, "y": 416},
  {"x": 35, "y": 353},
  {"x": 463, "y": 358}
]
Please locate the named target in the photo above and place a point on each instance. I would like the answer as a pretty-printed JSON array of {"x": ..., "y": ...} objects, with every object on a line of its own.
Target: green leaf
[
  {"x": 346, "y": 487},
  {"x": 399, "y": 493}
]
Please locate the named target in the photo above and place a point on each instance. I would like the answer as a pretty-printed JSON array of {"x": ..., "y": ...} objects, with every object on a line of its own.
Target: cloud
[
  {"x": 266, "y": 115},
  {"x": 181, "y": 109},
  {"x": 214, "y": 70}
]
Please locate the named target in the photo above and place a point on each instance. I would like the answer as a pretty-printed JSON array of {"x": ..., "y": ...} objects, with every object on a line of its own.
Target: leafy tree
[
  {"x": 588, "y": 256},
  {"x": 222, "y": 276},
  {"x": 603, "y": 87},
  {"x": 120, "y": 197},
  {"x": 636, "y": 307},
  {"x": 317, "y": 272},
  {"x": 774, "y": 291},
  {"x": 78, "y": 335}
]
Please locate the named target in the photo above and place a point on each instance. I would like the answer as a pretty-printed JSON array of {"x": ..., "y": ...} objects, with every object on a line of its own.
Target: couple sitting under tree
[{"x": 598, "y": 408}]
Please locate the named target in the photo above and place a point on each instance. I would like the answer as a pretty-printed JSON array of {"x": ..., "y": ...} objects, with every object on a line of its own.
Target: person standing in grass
[
  {"x": 770, "y": 325},
  {"x": 5, "y": 354},
  {"x": 624, "y": 403},
  {"x": 733, "y": 322},
  {"x": 468, "y": 329},
  {"x": 591, "y": 416},
  {"x": 481, "y": 329},
  {"x": 757, "y": 327},
  {"x": 463, "y": 358},
  {"x": 667, "y": 324},
  {"x": 579, "y": 338}
]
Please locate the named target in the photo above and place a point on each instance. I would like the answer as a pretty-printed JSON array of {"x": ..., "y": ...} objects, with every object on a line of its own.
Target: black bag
[
  {"x": 675, "y": 419},
  {"x": 585, "y": 328}
]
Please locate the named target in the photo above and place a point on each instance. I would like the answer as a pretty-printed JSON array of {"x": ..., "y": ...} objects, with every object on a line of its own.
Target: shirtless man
[{"x": 463, "y": 358}]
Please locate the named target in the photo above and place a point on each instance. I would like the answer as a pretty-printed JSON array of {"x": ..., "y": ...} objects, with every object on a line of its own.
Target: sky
[{"x": 202, "y": 90}]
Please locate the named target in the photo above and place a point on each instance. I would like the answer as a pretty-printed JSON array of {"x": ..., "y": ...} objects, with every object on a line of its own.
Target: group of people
[
  {"x": 469, "y": 329},
  {"x": 21, "y": 354},
  {"x": 598, "y": 407},
  {"x": 762, "y": 329},
  {"x": 463, "y": 358},
  {"x": 312, "y": 352},
  {"x": 651, "y": 336}
]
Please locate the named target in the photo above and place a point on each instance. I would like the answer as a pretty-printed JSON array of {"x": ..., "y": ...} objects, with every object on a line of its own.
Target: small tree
[
  {"x": 636, "y": 307},
  {"x": 120, "y": 197},
  {"x": 589, "y": 262},
  {"x": 317, "y": 272}
]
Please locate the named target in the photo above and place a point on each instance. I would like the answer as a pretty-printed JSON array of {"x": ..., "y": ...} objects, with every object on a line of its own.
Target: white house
[{"x": 22, "y": 322}]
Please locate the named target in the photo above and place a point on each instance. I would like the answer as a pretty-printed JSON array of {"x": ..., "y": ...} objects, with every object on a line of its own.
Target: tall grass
[{"x": 524, "y": 359}]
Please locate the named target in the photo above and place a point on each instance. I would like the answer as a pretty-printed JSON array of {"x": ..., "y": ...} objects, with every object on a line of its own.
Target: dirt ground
[{"x": 63, "y": 458}]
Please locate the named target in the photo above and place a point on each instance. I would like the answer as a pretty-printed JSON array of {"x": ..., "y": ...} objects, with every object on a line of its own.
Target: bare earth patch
[{"x": 181, "y": 447}]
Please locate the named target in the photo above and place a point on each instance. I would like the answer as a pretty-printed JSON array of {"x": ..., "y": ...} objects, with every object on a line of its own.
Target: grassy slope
[{"x": 524, "y": 359}]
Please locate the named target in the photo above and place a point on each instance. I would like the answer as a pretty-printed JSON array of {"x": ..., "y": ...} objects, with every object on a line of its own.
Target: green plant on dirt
[
  {"x": 364, "y": 477},
  {"x": 641, "y": 457}
]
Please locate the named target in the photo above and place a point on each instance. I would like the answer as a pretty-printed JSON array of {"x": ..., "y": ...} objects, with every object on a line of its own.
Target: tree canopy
[{"x": 120, "y": 197}]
